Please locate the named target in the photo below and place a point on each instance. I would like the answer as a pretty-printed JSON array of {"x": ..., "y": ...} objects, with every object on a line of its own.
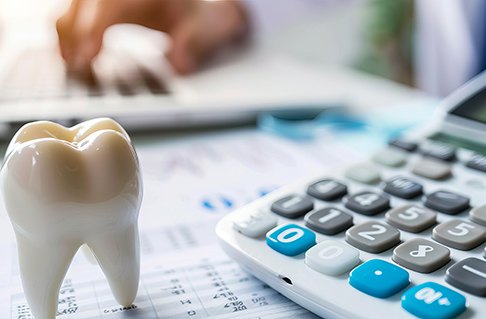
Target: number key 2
[{"x": 373, "y": 237}]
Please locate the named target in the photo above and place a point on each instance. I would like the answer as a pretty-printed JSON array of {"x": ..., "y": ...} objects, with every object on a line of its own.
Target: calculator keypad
[
  {"x": 293, "y": 206},
  {"x": 447, "y": 202},
  {"x": 327, "y": 189},
  {"x": 412, "y": 218},
  {"x": 440, "y": 151},
  {"x": 404, "y": 145},
  {"x": 459, "y": 234},
  {"x": 469, "y": 275},
  {"x": 256, "y": 224},
  {"x": 379, "y": 278},
  {"x": 432, "y": 169},
  {"x": 367, "y": 203},
  {"x": 478, "y": 215},
  {"x": 431, "y": 300},
  {"x": 421, "y": 255},
  {"x": 477, "y": 162},
  {"x": 403, "y": 187},
  {"x": 332, "y": 257},
  {"x": 363, "y": 173},
  {"x": 390, "y": 157},
  {"x": 329, "y": 206},
  {"x": 329, "y": 221},
  {"x": 290, "y": 239},
  {"x": 373, "y": 237}
]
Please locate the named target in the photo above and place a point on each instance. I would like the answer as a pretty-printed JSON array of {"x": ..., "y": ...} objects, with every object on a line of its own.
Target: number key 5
[{"x": 459, "y": 234}]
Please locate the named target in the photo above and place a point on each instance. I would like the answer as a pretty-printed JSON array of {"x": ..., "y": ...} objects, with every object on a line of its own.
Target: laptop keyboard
[{"x": 41, "y": 74}]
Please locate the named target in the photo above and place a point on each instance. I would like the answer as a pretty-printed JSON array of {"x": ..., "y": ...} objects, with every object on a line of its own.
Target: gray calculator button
[
  {"x": 447, "y": 202},
  {"x": 404, "y": 145},
  {"x": 328, "y": 221},
  {"x": 478, "y": 215},
  {"x": 421, "y": 255},
  {"x": 367, "y": 203},
  {"x": 459, "y": 234},
  {"x": 441, "y": 151},
  {"x": 255, "y": 224},
  {"x": 432, "y": 169},
  {"x": 293, "y": 206},
  {"x": 403, "y": 187},
  {"x": 373, "y": 237},
  {"x": 390, "y": 157},
  {"x": 477, "y": 162},
  {"x": 411, "y": 218},
  {"x": 327, "y": 189},
  {"x": 469, "y": 275},
  {"x": 363, "y": 173}
]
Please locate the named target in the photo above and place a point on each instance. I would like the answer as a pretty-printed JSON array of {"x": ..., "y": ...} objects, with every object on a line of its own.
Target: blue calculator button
[
  {"x": 291, "y": 239},
  {"x": 433, "y": 301},
  {"x": 379, "y": 278}
]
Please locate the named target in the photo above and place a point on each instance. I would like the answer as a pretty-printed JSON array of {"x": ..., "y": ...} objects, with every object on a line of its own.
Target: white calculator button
[
  {"x": 256, "y": 224},
  {"x": 432, "y": 169},
  {"x": 332, "y": 257},
  {"x": 363, "y": 173},
  {"x": 390, "y": 157},
  {"x": 478, "y": 215}
]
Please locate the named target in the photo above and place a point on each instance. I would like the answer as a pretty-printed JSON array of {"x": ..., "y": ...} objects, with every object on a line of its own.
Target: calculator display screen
[{"x": 473, "y": 108}]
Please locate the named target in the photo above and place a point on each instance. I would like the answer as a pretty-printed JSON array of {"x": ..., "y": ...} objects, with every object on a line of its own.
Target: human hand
[{"x": 197, "y": 27}]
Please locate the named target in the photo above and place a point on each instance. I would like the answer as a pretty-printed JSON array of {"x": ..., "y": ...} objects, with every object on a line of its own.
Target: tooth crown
[
  {"x": 64, "y": 187},
  {"x": 50, "y": 169}
]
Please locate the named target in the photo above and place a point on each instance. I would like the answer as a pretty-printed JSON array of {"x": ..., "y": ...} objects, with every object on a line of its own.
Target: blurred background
[{"x": 191, "y": 62}]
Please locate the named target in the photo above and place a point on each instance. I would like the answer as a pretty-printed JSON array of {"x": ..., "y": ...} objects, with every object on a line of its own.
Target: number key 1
[{"x": 329, "y": 221}]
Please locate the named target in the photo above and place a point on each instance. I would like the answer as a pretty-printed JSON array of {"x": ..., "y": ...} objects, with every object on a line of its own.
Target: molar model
[{"x": 66, "y": 187}]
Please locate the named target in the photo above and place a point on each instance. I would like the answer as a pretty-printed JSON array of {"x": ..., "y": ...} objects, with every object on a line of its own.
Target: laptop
[{"x": 132, "y": 83}]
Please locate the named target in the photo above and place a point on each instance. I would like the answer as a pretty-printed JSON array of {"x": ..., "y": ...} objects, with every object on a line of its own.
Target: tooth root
[
  {"x": 43, "y": 267},
  {"x": 119, "y": 257},
  {"x": 89, "y": 255}
]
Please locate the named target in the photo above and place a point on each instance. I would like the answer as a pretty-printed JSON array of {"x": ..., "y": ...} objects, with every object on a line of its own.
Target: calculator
[{"x": 401, "y": 235}]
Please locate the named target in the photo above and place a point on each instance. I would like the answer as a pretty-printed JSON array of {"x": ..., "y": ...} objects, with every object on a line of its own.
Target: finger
[
  {"x": 199, "y": 35},
  {"x": 91, "y": 22},
  {"x": 180, "y": 53},
  {"x": 65, "y": 27}
]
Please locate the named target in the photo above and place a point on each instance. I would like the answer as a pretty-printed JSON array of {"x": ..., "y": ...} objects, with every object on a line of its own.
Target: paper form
[
  {"x": 198, "y": 281},
  {"x": 188, "y": 186}
]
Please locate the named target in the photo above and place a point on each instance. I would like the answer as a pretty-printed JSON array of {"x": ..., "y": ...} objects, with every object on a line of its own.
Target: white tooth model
[{"x": 65, "y": 187}]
